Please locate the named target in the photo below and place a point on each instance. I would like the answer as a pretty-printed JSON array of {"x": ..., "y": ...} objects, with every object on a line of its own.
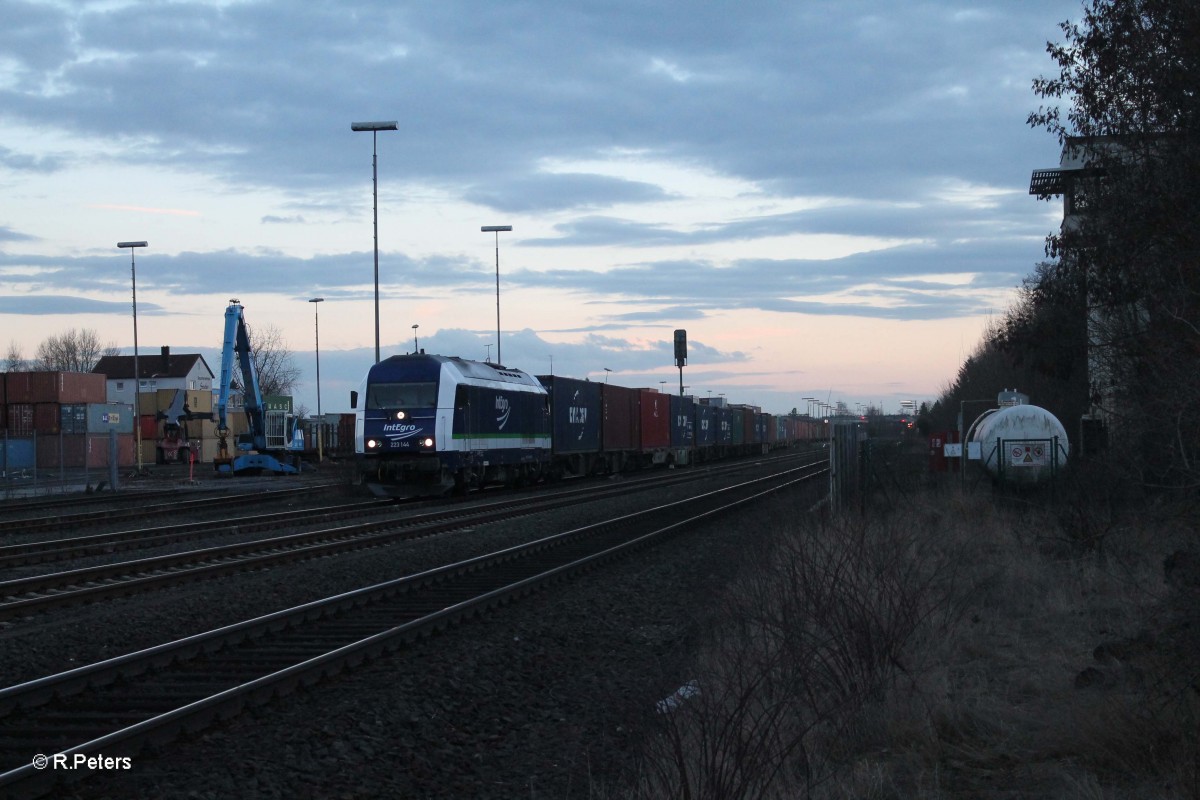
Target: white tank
[{"x": 1021, "y": 444}]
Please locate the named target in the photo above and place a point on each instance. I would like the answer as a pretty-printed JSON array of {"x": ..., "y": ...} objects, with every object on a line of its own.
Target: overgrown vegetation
[
  {"x": 951, "y": 648},
  {"x": 997, "y": 644}
]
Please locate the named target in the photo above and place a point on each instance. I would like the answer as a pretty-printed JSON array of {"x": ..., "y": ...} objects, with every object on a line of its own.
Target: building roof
[{"x": 153, "y": 365}]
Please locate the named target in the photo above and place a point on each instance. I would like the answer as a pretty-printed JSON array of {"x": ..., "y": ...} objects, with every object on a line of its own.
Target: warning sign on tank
[{"x": 1028, "y": 454}]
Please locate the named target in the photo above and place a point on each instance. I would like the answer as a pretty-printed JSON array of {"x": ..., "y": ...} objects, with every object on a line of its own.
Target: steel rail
[
  {"x": 436, "y": 590},
  {"x": 176, "y": 505},
  {"x": 25, "y": 553},
  {"x": 28, "y": 595}
]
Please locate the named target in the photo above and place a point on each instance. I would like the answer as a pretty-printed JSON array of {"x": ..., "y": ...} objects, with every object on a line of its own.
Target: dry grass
[{"x": 939, "y": 651}]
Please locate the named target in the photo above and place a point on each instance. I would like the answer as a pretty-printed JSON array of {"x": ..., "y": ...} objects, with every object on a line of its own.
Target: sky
[{"x": 831, "y": 198}]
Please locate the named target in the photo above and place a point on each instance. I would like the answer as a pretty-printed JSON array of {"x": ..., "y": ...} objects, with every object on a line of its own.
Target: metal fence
[{"x": 43, "y": 463}]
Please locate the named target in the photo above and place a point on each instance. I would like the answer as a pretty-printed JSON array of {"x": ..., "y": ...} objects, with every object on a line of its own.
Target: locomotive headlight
[
  {"x": 401, "y": 415},
  {"x": 372, "y": 444},
  {"x": 427, "y": 441}
]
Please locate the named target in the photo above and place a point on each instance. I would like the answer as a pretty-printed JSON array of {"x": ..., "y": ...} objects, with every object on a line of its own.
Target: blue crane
[{"x": 271, "y": 439}]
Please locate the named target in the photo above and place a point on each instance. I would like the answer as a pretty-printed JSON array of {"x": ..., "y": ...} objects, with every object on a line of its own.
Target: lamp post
[
  {"x": 137, "y": 375},
  {"x": 606, "y": 371},
  {"x": 375, "y": 128},
  {"x": 497, "y": 229},
  {"x": 317, "y": 332},
  {"x": 415, "y": 348}
]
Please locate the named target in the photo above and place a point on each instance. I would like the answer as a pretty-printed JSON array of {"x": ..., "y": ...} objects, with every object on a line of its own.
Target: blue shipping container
[
  {"x": 575, "y": 413},
  {"x": 706, "y": 425},
  {"x": 17, "y": 454},
  {"x": 683, "y": 417}
]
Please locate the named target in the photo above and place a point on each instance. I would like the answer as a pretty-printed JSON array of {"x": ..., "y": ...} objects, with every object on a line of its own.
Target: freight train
[{"x": 441, "y": 424}]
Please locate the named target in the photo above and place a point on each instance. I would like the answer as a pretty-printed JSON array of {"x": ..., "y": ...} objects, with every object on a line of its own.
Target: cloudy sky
[{"x": 830, "y": 197}]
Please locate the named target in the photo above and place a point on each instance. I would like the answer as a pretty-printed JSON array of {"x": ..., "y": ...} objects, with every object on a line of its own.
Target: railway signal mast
[{"x": 681, "y": 355}]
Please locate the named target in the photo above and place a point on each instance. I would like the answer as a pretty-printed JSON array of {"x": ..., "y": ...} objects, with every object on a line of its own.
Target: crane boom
[{"x": 236, "y": 354}]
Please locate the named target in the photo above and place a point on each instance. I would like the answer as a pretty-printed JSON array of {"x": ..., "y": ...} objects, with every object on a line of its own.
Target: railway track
[
  {"x": 28, "y": 553},
  {"x": 137, "y": 508},
  {"x": 115, "y": 707},
  {"x": 24, "y": 596}
]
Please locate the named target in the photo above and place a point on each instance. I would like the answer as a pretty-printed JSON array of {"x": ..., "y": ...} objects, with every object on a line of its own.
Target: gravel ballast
[{"x": 544, "y": 698}]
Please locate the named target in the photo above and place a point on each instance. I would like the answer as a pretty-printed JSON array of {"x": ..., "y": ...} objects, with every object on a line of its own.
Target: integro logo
[
  {"x": 399, "y": 431},
  {"x": 502, "y": 411}
]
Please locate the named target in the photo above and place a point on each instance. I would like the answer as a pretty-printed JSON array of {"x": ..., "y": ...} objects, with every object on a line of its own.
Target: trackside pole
[{"x": 113, "y": 458}]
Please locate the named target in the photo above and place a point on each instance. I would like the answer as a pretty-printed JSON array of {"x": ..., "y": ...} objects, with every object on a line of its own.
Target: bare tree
[
  {"x": 277, "y": 370},
  {"x": 15, "y": 360},
  {"x": 73, "y": 351}
]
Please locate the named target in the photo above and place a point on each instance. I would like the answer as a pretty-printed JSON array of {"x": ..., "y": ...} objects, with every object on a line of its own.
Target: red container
[
  {"x": 937, "y": 456},
  {"x": 67, "y": 450},
  {"x": 47, "y": 417},
  {"x": 82, "y": 450},
  {"x": 20, "y": 419},
  {"x": 56, "y": 387},
  {"x": 149, "y": 423},
  {"x": 345, "y": 440},
  {"x": 126, "y": 450},
  {"x": 655, "y": 419},
  {"x": 620, "y": 419}
]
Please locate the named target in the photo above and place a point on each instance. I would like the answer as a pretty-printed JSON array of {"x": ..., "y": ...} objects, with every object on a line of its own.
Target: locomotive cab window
[{"x": 402, "y": 395}]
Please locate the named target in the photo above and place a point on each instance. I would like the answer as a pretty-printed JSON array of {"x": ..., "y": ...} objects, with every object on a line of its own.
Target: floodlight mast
[
  {"x": 374, "y": 128},
  {"x": 497, "y": 229},
  {"x": 137, "y": 377}
]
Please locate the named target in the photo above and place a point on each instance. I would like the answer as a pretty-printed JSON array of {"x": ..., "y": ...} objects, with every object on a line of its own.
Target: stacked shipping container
[{"x": 65, "y": 413}]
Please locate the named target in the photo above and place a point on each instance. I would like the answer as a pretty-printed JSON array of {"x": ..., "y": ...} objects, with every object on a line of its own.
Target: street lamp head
[
  {"x": 373, "y": 126},
  {"x": 132, "y": 244},
  {"x": 317, "y": 300},
  {"x": 495, "y": 228}
]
